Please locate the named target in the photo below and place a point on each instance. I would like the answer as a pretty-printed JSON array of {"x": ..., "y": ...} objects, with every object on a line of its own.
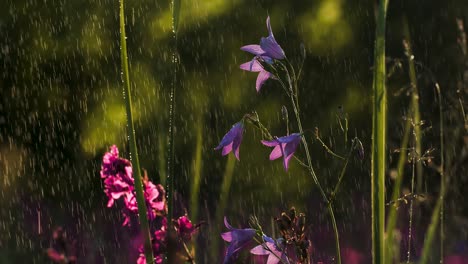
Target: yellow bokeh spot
[{"x": 325, "y": 29}]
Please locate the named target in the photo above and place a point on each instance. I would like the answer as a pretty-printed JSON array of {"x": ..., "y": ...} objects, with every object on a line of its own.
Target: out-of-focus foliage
[{"x": 61, "y": 107}]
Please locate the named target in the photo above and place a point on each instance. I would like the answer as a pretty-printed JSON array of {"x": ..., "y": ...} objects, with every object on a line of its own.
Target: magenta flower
[
  {"x": 232, "y": 140},
  {"x": 238, "y": 239},
  {"x": 284, "y": 146},
  {"x": 270, "y": 248},
  {"x": 185, "y": 228},
  {"x": 117, "y": 175}
]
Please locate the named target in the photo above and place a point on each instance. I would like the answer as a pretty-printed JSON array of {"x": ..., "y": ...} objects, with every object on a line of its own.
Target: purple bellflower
[
  {"x": 272, "y": 249},
  {"x": 267, "y": 51},
  {"x": 238, "y": 239},
  {"x": 268, "y": 46},
  {"x": 232, "y": 140},
  {"x": 284, "y": 146}
]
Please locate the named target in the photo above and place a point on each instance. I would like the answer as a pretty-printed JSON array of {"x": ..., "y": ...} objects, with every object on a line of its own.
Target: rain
[{"x": 291, "y": 158}]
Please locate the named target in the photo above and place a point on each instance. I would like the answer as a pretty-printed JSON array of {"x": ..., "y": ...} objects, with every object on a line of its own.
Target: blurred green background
[{"x": 61, "y": 107}]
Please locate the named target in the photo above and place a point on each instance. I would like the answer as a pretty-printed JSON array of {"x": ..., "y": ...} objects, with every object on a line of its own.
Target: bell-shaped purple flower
[
  {"x": 268, "y": 46},
  {"x": 271, "y": 248},
  {"x": 232, "y": 140},
  {"x": 238, "y": 239},
  {"x": 284, "y": 146},
  {"x": 267, "y": 51}
]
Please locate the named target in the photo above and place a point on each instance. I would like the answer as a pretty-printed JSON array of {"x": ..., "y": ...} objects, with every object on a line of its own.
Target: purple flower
[
  {"x": 268, "y": 46},
  {"x": 239, "y": 238},
  {"x": 232, "y": 140},
  {"x": 270, "y": 248},
  {"x": 268, "y": 50},
  {"x": 284, "y": 146}
]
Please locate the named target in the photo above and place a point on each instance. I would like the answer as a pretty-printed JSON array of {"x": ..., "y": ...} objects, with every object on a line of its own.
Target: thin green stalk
[
  {"x": 379, "y": 130},
  {"x": 295, "y": 99},
  {"x": 196, "y": 170},
  {"x": 416, "y": 115},
  {"x": 410, "y": 224},
  {"x": 391, "y": 222},
  {"x": 170, "y": 156},
  {"x": 442, "y": 175},
  {"x": 225, "y": 187},
  {"x": 343, "y": 170},
  {"x": 426, "y": 252},
  {"x": 142, "y": 215}
]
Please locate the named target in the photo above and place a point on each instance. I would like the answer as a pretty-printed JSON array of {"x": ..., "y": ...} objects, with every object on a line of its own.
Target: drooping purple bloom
[
  {"x": 268, "y": 50},
  {"x": 268, "y": 46},
  {"x": 232, "y": 140},
  {"x": 284, "y": 146},
  {"x": 272, "y": 249},
  {"x": 238, "y": 239}
]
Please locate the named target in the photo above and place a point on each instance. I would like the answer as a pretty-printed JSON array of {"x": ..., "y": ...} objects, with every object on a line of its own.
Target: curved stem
[
  {"x": 314, "y": 176},
  {"x": 142, "y": 215}
]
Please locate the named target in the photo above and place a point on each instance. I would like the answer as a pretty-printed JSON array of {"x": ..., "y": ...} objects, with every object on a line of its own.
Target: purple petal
[
  {"x": 289, "y": 152},
  {"x": 261, "y": 79},
  {"x": 227, "y": 236},
  {"x": 259, "y": 250},
  {"x": 290, "y": 138},
  {"x": 227, "y": 149},
  {"x": 276, "y": 153},
  {"x": 252, "y": 66},
  {"x": 272, "y": 259},
  {"x": 229, "y": 137},
  {"x": 272, "y": 48},
  {"x": 270, "y": 32},
  {"x": 236, "y": 143},
  {"x": 270, "y": 143},
  {"x": 254, "y": 49},
  {"x": 228, "y": 226}
]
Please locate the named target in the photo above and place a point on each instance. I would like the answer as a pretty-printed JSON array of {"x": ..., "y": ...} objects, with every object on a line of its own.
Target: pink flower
[{"x": 284, "y": 147}]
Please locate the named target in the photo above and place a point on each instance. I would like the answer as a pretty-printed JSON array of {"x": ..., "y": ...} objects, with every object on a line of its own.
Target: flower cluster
[
  {"x": 292, "y": 247},
  {"x": 266, "y": 53},
  {"x": 283, "y": 146},
  {"x": 119, "y": 184}
]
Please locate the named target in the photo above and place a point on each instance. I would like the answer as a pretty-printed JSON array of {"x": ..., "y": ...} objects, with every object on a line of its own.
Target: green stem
[
  {"x": 170, "y": 156},
  {"x": 442, "y": 175},
  {"x": 223, "y": 199},
  {"x": 416, "y": 115},
  {"x": 295, "y": 99},
  {"x": 142, "y": 215},
  {"x": 396, "y": 191},
  {"x": 343, "y": 170},
  {"x": 379, "y": 130}
]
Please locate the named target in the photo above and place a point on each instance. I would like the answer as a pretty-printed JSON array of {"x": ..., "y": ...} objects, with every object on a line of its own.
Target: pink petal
[
  {"x": 227, "y": 236},
  {"x": 276, "y": 153},
  {"x": 261, "y": 79},
  {"x": 252, "y": 66},
  {"x": 227, "y": 149},
  {"x": 259, "y": 250}
]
